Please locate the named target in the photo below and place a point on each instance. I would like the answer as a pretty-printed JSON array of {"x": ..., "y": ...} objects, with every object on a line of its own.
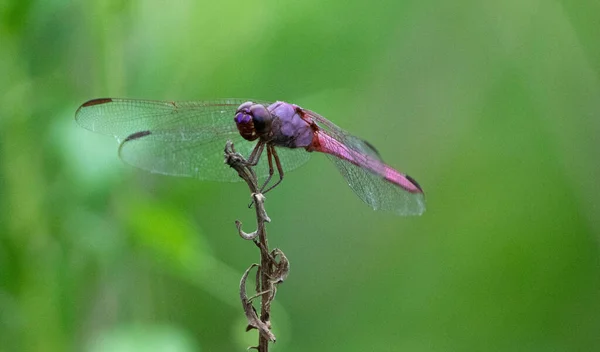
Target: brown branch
[{"x": 271, "y": 271}]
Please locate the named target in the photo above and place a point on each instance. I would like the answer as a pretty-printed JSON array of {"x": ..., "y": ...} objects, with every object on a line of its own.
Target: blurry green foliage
[{"x": 492, "y": 106}]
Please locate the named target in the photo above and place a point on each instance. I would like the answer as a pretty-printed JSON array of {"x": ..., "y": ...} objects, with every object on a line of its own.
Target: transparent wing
[
  {"x": 377, "y": 192},
  {"x": 177, "y": 138},
  {"x": 367, "y": 174},
  {"x": 124, "y": 117},
  {"x": 199, "y": 156}
]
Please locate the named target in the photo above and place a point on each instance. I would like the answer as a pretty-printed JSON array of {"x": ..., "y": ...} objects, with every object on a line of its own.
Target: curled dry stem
[
  {"x": 253, "y": 321},
  {"x": 274, "y": 266}
]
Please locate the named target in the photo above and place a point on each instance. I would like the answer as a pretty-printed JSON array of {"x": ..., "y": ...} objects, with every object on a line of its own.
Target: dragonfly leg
[
  {"x": 271, "y": 170},
  {"x": 270, "y": 153},
  {"x": 279, "y": 168},
  {"x": 256, "y": 152}
]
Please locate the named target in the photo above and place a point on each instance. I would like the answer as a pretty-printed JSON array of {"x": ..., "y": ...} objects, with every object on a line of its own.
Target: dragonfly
[{"x": 186, "y": 138}]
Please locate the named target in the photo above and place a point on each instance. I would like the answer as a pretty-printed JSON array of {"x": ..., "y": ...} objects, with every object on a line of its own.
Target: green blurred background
[{"x": 493, "y": 106}]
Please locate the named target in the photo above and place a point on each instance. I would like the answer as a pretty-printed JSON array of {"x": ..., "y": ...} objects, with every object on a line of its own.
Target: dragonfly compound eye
[
  {"x": 262, "y": 118},
  {"x": 244, "y": 122}
]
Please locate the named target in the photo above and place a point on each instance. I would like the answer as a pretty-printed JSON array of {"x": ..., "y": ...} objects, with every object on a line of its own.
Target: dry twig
[{"x": 274, "y": 266}]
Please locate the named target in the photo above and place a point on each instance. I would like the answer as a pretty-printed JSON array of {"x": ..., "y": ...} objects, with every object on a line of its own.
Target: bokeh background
[{"x": 493, "y": 106}]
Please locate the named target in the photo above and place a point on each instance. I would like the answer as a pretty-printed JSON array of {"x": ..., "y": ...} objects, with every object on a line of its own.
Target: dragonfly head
[{"x": 253, "y": 120}]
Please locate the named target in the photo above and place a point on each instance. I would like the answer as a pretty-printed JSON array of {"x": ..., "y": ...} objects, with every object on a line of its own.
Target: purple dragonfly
[{"x": 187, "y": 139}]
